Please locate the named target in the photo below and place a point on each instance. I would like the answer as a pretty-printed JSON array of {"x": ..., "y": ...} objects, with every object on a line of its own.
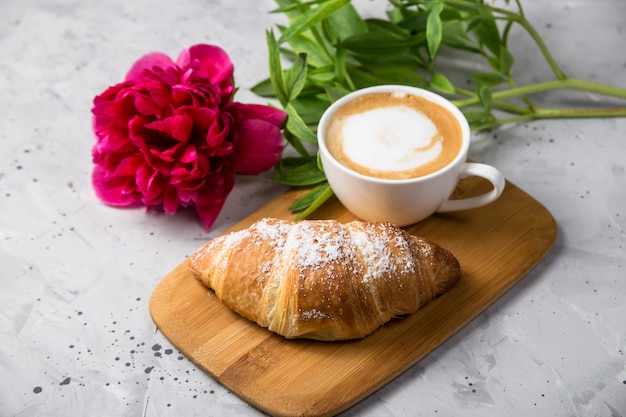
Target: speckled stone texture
[{"x": 77, "y": 338}]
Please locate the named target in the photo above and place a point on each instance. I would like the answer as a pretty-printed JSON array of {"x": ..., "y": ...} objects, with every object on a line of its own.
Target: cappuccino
[{"x": 393, "y": 135}]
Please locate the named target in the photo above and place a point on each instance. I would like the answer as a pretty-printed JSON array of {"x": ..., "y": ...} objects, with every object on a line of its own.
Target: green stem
[
  {"x": 464, "y": 91},
  {"x": 512, "y": 108},
  {"x": 551, "y": 113},
  {"x": 564, "y": 84},
  {"x": 542, "y": 47},
  {"x": 500, "y": 122},
  {"x": 513, "y": 84}
]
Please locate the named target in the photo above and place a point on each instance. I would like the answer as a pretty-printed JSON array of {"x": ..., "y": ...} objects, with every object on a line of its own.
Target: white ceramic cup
[{"x": 406, "y": 201}]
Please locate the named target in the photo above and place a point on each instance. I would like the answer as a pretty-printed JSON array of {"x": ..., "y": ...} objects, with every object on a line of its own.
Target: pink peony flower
[{"x": 170, "y": 135}]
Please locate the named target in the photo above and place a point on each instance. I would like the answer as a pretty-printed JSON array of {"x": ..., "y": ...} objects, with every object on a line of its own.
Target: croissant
[{"x": 322, "y": 279}]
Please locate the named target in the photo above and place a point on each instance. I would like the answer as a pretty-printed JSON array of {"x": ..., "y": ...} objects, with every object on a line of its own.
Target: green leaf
[
  {"x": 307, "y": 174},
  {"x": 295, "y": 77},
  {"x": 494, "y": 62},
  {"x": 276, "y": 70},
  {"x": 468, "y": 7},
  {"x": 264, "y": 89},
  {"x": 306, "y": 200},
  {"x": 455, "y": 36},
  {"x": 310, "y": 18},
  {"x": 296, "y": 125},
  {"x": 488, "y": 34},
  {"x": 434, "y": 30},
  {"x": 318, "y": 196},
  {"x": 340, "y": 66},
  {"x": 304, "y": 42},
  {"x": 387, "y": 27},
  {"x": 346, "y": 22},
  {"x": 322, "y": 76},
  {"x": 474, "y": 116},
  {"x": 478, "y": 119},
  {"x": 335, "y": 93},
  {"x": 441, "y": 83},
  {"x": 403, "y": 59},
  {"x": 490, "y": 79},
  {"x": 506, "y": 31},
  {"x": 290, "y": 8},
  {"x": 294, "y": 161},
  {"x": 485, "y": 97},
  {"x": 401, "y": 76},
  {"x": 320, "y": 166},
  {"x": 450, "y": 15},
  {"x": 379, "y": 44},
  {"x": 362, "y": 78},
  {"x": 297, "y": 144},
  {"x": 311, "y": 106},
  {"x": 473, "y": 23},
  {"x": 506, "y": 60},
  {"x": 413, "y": 20}
]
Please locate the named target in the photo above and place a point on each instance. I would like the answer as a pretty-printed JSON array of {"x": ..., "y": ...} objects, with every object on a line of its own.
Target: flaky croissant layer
[{"x": 322, "y": 279}]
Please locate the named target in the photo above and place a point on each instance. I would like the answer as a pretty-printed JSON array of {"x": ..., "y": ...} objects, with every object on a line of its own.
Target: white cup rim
[{"x": 429, "y": 95}]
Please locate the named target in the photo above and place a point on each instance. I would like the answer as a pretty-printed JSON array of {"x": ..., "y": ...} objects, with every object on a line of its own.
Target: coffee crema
[{"x": 393, "y": 135}]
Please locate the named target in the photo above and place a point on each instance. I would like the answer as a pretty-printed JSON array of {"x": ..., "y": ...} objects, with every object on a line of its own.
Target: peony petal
[
  {"x": 129, "y": 165},
  {"x": 216, "y": 135},
  {"x": 209, "y": 61},
  {"x": 115, "y": 191},
  {"x": 187, "y": 197},
  {"x": 182, "y": 96},
  {"x": 168, "y": 155},
  {"x": 208, "y": 213},
  {"x": 150, "y": 142},
  {"x": 178, "y": 126},
  {"x": 185, "y": 171},
  {"x": 146, "y": 105},
  {"x": 159, "y": 90},
  {"x": 203, "y": 118},
  {"x": 143, "y": 176},
  {"x": 268, "y": 114},
  {"x": 170, "y": 200},
  {"x": 151, "y": 184},
  {"x": 113, "y": 108},
  {"x": 148, "y": 62},
  {"x": 115, "y": 141},
  {"x": 212, "y": 197},
  {"x": 258, "y": 145},
  {"x": 189, "y": 154}
]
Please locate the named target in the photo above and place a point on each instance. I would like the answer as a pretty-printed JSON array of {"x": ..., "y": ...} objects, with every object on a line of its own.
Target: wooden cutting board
[{"x": 496, "y": 246}]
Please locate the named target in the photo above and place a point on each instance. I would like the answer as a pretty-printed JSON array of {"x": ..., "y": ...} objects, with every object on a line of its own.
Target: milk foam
[{"x": 393, "y": 138}]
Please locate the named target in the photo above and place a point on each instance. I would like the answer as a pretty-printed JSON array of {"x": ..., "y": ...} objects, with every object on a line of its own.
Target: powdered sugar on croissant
[{"x": 322, "y": 279}]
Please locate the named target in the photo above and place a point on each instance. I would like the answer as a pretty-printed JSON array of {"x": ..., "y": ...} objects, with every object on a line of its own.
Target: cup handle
[{"x": 487, "y": 172}]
